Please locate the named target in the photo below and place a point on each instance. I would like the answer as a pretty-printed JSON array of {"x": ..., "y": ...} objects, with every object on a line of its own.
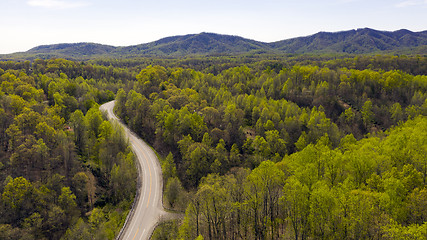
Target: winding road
[{"x": 147, "y": 209}]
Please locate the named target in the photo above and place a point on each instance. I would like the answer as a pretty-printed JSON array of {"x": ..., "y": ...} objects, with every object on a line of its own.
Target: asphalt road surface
[{"x": 148, "y": 208}]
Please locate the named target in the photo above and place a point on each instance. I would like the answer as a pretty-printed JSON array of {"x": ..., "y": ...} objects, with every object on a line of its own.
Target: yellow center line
[
  {"x": 149, "y": 169},
  {"x": 137, "y": 230}
]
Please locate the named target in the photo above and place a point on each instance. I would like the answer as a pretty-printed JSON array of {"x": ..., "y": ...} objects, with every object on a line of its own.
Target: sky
[{"x": 25, "y": 24}]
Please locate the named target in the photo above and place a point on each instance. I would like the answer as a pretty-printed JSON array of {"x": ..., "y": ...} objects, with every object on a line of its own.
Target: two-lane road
[{"x": 148, "y": 207}]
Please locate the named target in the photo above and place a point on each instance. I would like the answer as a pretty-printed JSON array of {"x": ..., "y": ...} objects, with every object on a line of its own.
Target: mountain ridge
[
  {"x": 355, "y": 41},
  {"x": 359, "y": 41},
  {"x": 194, "y": 44}
]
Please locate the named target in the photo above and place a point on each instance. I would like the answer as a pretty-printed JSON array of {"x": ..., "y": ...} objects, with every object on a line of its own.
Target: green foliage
[
  {"x": 268, "y": 146},
  {"x": 50, "y": 151},
  {"x": 80, "y": 231},
  {"x": 296, "y": 201},
  {"x": 16, "y": 193},
  {"x": 358, "y": 191},
  {"x": 321, "y": 124},
  {"x": 395, "y": 231},
  {"x": 173, "y": 192},
  {"x": 165, "y": 231}
]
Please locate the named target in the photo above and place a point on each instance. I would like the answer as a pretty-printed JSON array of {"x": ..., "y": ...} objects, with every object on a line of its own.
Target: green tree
[
  {"x": 168, "y": 167},
  {"x": 322, "y": 204},
  {"x": 119, "y": 106},
  {"x": 198, "y": 164},
  {"x": 367, "y": 115},
  {"x": 79, "y": 231},
  {"x": 417, "y": 206},
  {"x": 67, "y": 202},
  {"x": 34, "y": 224},
  {"x": 213, "y": 198},
  {"x": 263, "y": 192},
  {"x": 296, "y": 201},
  {"x": 94, "y": 120},
  {"x": 277, "y": 145},
  {"x": 79, "y": 126},
  {"x": 56, "y": 220},
  {"x": 173, "y": 191},
  {"x": 17, "y": 195},
  {"x": 123, "y": 178},
  {"x": 80, "y": 187},
  {"x": 397, "y": 114}
]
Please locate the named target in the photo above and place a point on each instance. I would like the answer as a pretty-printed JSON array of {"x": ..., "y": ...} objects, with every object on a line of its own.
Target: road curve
[{"x": 147, "y": 209}]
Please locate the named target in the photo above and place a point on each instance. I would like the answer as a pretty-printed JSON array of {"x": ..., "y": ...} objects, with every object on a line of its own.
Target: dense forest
[
  {"x": 304, "y": 151},
  {"x": 66, "y": 173},
  {"x": 296, "y": 147}
]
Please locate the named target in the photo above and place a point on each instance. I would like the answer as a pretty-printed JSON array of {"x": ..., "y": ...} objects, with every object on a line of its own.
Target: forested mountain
[
  {"x": 73, "y": 50},
  {"x": 361, "y": 41},
  {"x": 196, "y": 44},
  {"x": 354, "y": 41}
]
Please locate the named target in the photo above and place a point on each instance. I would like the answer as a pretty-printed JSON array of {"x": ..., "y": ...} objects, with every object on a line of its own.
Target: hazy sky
[{"x": 28, "y": 23}]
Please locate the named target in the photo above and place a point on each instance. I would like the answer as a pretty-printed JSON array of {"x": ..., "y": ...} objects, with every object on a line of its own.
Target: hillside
[
  {"x": 73, "y": 49},
  {"x": 360, "y": 41},
  {"x": 196, "y": 44}
]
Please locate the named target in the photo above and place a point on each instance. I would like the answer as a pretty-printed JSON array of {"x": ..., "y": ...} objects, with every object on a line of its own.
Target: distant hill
[
  {"x": 196, "y": 44},
  {"x": 73, "y": 49},
  {"x": 360, "y": 41}
]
